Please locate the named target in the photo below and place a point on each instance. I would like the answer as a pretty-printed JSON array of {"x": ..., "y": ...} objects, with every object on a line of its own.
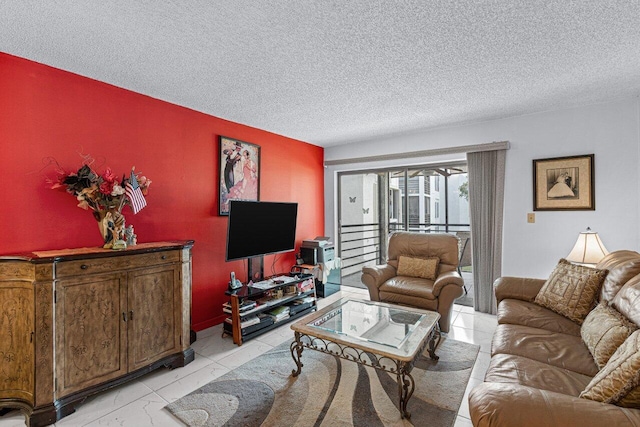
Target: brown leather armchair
[{"x": 436, "y": 295}]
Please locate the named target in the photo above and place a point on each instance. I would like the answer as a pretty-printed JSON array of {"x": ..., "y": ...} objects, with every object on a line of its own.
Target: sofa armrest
[
  {"x": 448, "y": 278},
  {"x": 374, "y": 277},
  {"x": 508, "y": 404},
  {"x": 521, "y": 288}
]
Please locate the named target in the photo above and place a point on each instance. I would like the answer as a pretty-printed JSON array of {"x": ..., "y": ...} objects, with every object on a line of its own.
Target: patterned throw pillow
[
  {"x": 426, "y": 268},
  {"x": 618, "y": 382},
  {"x": 571, "y": 290},
  {"x": 604, "y": 330}
]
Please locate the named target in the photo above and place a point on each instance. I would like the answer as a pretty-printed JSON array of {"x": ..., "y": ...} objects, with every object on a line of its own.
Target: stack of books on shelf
[
  {"x": 279, "y": 313},
  {"x": 244, "y": 306},
  {"x": 251, "y": 323},
  {"x": 246, "y": 322},
  {"x": 301, "y": 304}
]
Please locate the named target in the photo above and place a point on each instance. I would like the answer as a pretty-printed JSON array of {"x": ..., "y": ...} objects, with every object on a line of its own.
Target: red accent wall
[{"x": 49, "y": 112}]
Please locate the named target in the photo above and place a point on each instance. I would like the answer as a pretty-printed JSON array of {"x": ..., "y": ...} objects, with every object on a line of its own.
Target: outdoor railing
[
  {"x": 359, "y": 244},
  {"x": 363, "y": 244}
]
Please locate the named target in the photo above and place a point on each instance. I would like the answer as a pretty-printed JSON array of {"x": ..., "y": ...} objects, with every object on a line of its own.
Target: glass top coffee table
[{"x": 383, "y": 336}]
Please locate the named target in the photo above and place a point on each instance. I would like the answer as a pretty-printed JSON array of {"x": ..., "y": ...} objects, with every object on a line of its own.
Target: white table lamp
[{"x": 588, "y": 249}]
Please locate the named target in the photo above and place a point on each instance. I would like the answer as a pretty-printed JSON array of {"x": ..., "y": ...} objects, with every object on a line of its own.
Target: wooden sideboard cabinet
[{"x": 76, "y": 322}]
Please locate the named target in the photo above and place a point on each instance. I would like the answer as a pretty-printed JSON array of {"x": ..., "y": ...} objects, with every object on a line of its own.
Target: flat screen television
[{"x": 260, "y": 228}]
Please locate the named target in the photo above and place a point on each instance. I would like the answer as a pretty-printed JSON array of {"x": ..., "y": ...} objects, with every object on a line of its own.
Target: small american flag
[{"x": 134, "y": 193}]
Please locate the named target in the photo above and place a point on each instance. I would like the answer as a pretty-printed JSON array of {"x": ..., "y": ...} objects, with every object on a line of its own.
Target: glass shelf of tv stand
[
  {"x": 249, "y": 293},
  {"x": 276, "y": 302}
]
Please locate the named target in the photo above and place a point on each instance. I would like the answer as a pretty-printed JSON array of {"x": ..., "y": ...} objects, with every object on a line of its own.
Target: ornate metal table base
[{"x": 402, "y": 369}]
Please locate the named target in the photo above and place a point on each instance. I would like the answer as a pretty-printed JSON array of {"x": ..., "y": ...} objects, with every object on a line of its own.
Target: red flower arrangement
[
  {"x": 98, "y": 192},
  {"x": 104, "y": 194}
]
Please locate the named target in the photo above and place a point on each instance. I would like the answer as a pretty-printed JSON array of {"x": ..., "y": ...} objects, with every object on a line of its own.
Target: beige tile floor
[{"x": 140, "y": 402}]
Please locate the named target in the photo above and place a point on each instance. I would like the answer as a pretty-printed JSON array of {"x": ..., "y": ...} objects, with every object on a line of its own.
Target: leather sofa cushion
[
  {"x": 400, "y": 299},
  {"x": 556, "y": 349},
  {"x": 518, "y": 312},
  {"x": 425, "y": 268},
  {"x": 618, "y": 382},
  {"x": 510, "y": 405},
  {"x": 571, "y": 290},
  {"x": 410, "y": 286},
  {"x": 508, "y": 368},
  {"x": 603, "y": 331},
  {"x": 409, "y": 291},
  {"x": 622, "y": 266}
]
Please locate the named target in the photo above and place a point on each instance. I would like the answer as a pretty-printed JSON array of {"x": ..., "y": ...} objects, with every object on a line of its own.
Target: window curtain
[{"x": 486, "y": 202}]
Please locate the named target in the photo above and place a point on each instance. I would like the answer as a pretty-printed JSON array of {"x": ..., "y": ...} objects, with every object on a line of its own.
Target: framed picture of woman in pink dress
[
  {"x": 564, "y": 183},
  {"x": 239, "y": 172}
]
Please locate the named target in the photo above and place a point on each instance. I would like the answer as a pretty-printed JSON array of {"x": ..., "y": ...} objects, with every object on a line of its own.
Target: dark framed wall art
[
  {"x": 239, "y": 172},
  {"x": 564, "y": 183}
]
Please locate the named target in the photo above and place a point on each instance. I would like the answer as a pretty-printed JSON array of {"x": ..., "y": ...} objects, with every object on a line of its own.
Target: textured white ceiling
[{"x": 332, "y": 72}]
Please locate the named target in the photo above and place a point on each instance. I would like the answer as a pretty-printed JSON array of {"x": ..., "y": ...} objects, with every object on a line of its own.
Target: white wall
[{"x": 609, "y": 130}]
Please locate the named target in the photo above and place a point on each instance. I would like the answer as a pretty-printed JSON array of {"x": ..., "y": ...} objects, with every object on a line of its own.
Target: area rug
[{"x": 330, "y": 392}]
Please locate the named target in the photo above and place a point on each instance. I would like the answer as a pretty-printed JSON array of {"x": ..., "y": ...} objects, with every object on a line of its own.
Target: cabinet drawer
[{"x": 102, "y": 265}]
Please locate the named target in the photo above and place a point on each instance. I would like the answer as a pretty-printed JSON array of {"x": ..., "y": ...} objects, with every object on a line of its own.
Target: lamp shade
[{"x": 588, "y": 249}]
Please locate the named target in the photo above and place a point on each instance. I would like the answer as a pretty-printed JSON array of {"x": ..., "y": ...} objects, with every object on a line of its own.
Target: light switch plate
[{"x": 531, "y": 218}]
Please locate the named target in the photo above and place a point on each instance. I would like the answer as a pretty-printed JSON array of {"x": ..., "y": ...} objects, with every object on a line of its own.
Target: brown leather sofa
[
  {"x": 435, "y": 294},
  {"x": 539, "y": 363}
]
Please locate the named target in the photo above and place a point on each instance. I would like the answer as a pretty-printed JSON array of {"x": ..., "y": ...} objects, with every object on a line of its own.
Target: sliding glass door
[{"x": 372, "y": 204}]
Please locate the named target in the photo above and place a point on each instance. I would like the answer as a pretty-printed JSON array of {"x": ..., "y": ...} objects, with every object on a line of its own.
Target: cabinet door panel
[
  {"x": 16, "y": 345},
  {"x": 91, "y": 331},
  {"x": 154, "y": 309}
]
